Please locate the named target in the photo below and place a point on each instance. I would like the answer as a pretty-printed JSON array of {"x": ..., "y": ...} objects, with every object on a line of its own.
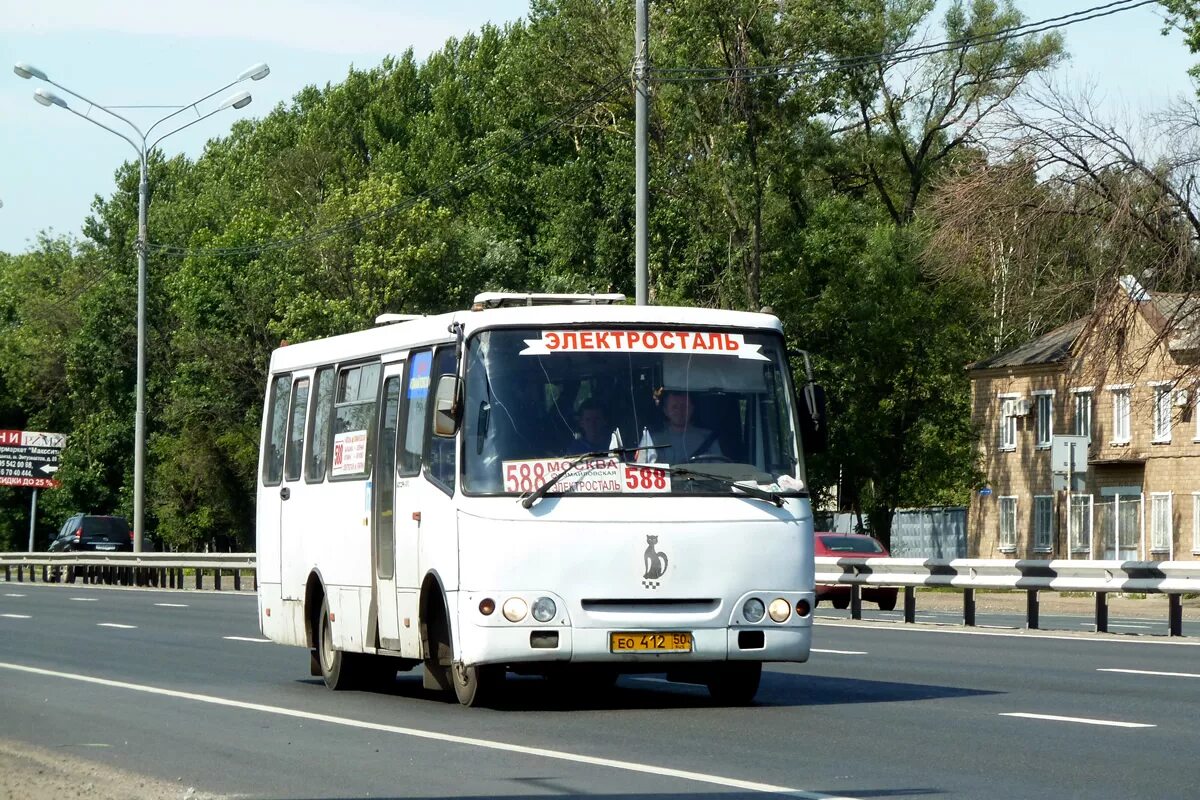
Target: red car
[{"x": 852, "y": 545}]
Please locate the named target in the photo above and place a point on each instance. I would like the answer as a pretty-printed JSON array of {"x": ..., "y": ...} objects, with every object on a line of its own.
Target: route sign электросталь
[{"x": 29, "y": 459}]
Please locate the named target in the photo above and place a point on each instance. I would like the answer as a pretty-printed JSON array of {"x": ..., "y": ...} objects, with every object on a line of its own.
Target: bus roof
[{"x": 433, "y": 329}]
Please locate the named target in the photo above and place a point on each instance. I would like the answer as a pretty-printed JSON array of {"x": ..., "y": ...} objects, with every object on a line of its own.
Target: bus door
[
  {"x": 384, "y": 545},
  {"x": 290, "y": 516},
  {"x": 415, "y": 390}
]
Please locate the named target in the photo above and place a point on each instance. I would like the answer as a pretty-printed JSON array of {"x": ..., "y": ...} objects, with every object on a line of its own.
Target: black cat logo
[{"x": 656, "y": 564}]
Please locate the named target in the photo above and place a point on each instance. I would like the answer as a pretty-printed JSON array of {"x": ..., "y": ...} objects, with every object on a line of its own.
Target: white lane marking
[
  {"x": 842, "y": 652},
  {"x": 937, "y": 627},
  {"x": 1152, "y": 672},
  {"x": 114, "y": 625},
  {"x": 1082, "y": 720},
  {"x": 1127, "y": 625},
  {"x": 12, "y": 594},
  {"x": 245, "y": 639},
  {"x": 84, "y": 599},
  {"x": 486, "y": 744},
  {"x": 171, "y": 605},
  {"x": 16, "y": 616}
]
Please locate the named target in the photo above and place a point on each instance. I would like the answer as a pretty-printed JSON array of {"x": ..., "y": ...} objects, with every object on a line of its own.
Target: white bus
[{"x": 561, "y": 485}]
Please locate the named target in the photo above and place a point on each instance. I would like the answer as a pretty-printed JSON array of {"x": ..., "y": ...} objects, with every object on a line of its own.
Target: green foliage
[{"x": 410, "y": 186}]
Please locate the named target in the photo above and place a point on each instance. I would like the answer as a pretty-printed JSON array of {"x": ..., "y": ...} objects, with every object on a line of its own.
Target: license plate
[
  {"x": 641, "y": 642},
  {"x": 106, "y": 547}
]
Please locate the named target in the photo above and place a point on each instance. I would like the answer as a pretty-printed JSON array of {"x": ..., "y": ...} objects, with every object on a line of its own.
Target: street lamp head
[
  {"x": 239, "y": 100},
  {"x": 48, "y": 98},
  {"x": 255, "y": 73},
  {"x": 28, "y": 71}
]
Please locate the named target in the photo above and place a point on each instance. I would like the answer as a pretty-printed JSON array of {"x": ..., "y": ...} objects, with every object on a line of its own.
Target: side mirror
[
  {"x": 447, "y": 412},
  {"x": 814, "y": 423}
]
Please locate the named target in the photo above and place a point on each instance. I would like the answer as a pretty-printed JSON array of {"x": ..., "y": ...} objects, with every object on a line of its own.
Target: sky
[{"x": 172, "y": 52}]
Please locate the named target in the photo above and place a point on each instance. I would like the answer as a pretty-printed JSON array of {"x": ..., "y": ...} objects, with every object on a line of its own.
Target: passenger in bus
[
  {"x": 678, "y": 441},
  {"x": 595, "y": 431}
]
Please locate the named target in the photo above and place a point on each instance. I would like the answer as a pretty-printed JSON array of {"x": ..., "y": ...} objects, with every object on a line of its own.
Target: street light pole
[{"x": 47, "y": 98}]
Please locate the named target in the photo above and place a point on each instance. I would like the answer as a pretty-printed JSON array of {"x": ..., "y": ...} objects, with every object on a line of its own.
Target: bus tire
[
  {"x": 339, "y": 670},
  {"x": 477, "y": 685},
  {"x": 734, "y": 683}
]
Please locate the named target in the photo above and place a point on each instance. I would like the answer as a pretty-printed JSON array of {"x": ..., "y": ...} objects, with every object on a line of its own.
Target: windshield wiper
[
  {"x": 752, "y": 491},
  {"x": 537, "y": 494}
]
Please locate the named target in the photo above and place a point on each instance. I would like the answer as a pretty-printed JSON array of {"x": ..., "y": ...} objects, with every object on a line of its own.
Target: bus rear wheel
[
  {"x": 477, "y": 685},
  {"x": 339, "y": 670},
  {"x": 735, "y": 683}
]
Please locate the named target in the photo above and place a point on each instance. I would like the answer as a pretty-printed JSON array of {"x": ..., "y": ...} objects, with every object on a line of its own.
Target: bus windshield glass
[{"x": 673, "y": 410}]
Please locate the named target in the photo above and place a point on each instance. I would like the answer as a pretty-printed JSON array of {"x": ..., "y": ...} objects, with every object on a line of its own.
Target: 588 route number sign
[{"x": 29, "y": 459}]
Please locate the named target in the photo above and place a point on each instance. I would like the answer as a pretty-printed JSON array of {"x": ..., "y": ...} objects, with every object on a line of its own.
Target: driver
[{"x": 685, "y": 440}]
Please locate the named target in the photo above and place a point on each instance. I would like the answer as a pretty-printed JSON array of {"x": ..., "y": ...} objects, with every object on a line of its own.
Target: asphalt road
[{"x": 177, "y": 685}]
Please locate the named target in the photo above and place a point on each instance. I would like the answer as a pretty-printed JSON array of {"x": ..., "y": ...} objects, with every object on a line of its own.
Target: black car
[{"x": 93, "y": 532}]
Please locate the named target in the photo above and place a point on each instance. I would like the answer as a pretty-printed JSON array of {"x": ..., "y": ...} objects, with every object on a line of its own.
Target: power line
[
  {"x": 900, "y": 55},
  {"x": 597, "y": 95}
]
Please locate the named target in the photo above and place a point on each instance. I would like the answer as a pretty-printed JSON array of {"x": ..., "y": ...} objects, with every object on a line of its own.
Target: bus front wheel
[
  {"x": 735, "y": 683},
  {"x": 476, "y": 685}
]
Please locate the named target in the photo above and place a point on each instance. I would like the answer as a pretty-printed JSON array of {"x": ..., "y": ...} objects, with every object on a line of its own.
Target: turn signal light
[
  {"x": 803, "y": 609},
  {"x": 487, "y": 606}
]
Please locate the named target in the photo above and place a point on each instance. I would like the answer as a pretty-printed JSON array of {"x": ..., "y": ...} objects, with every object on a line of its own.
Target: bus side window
[
  {"x": 354, "y": 420},
  {"x": 440, "y": 458},
  {"x": 295, "y": 440},
  {"x": 272, "y": 456},
  {"x": 318, "y": 431},
  {"x": 416, "y": 398}
]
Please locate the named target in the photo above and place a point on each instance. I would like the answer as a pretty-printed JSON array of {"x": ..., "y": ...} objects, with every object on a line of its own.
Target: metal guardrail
[
  {"x": 162, "y": 570},
  {"x": 1172, "y": 578}
]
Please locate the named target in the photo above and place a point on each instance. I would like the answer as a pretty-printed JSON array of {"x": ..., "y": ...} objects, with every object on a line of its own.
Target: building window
[
  {"x": 1083, "y": 413},
  {"x": 1162, "y": 412},
  {"x": 1043, "y": 522},
  {"x": 1120, "y": 416},
  {"x": 1008, "y": 524},
  {"x": 1160, "y": 522},
  {"x": 1081, "y": 523},
  {"x": 1008, "y": 422},
  {"x": 1196, "y": 523},
  {"x": 1045, "y": 418}
]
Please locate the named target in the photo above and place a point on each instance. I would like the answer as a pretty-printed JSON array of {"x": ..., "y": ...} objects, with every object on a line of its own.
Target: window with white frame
[
  {"x": 1160, "y": 522},
  {"x": 1045, "y": 418},
  {"x": 1008, "y": 422},
  {"x": 1196, "y": 522},
  {"x": 1162, "y": 412},
  {"x": 1120, "y": 434},
  {"x": 1196, "y": 409},
  {"x": 1043, "y": 522},
  {"x": 1008, "y": 524},
  {"x": 1083, "y": 412},
  {"x": 1081, "y": 523}
]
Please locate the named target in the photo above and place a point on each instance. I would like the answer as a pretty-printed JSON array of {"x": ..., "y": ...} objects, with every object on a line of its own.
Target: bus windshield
[{"x": 669, "y": 406}]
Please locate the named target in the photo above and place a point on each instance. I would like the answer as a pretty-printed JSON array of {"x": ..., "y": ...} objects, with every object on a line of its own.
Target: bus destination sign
[{"x": 29, "y": 459}]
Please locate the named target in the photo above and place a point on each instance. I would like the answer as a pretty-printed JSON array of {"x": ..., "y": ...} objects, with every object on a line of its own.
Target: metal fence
[
  {"x": 937, "y": 532},
  {"x": 1172, "y": 578},
  {"x": 161, "y": 570},
  {"x": 929, "y": 532}
]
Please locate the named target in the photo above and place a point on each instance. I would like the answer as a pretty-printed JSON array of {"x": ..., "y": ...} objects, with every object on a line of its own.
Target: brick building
[{"x": 1140, "y": 496}]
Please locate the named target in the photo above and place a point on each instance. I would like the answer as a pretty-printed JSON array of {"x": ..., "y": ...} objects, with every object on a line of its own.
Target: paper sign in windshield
[
  {"x": 601, "y": 476},
  {"x": 691, "y": 342},
  {"x": 350, "y": 453}
]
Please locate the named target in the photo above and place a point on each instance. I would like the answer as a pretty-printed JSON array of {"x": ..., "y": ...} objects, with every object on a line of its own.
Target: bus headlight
[
  {"x": 753, "y": 609},
  {"x": 780, "y": 609},
  {"x": 515, "y": 609},
  {"x": 544, "y": 609}
]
